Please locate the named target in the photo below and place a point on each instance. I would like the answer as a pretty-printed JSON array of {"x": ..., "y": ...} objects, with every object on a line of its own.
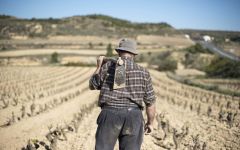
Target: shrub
[
  {"x": 109, "y": 50},
  {"x": 3, "y": 48},
  {"x": 235, "y": 39},
  {"x": 197, "y": 48},
  {"x": 54, "y": 57},
  {"x": 90, "y": 45},
  {"x": 164, "y": 62},
  {"x": 167, "y": 65},
  {"x": 140, "y": 58},
  {"x": 193, "y": 57},
  {"x": 189, "y": 59},
  {"x": 164, "y": 55},
  {"x": 223, "y": 68},
  {"x": 79, "y": 64}
]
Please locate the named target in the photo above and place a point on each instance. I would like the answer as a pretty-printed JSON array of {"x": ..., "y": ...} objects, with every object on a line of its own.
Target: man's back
[{"x": 138, "y": 87}]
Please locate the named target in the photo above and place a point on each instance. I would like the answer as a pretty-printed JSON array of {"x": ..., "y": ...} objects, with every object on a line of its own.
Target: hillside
[
  {"x": 219, "y": 36},
  {"x": 97, "y": 25},
  {"x": 229, "y": 41}
]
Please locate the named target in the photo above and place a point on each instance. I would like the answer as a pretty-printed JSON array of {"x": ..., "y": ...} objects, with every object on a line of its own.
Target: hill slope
[{"x": 79, "y": 25}]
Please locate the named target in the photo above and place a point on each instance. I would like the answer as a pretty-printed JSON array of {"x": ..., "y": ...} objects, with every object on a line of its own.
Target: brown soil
[{"x": 177, "y": 106}]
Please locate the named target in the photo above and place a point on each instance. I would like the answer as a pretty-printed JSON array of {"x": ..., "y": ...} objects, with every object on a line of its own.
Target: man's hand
[
  {"x": 100, "y": 61},
  {"x": 148, "y": 128},
  {"x": 99, "y": 64},
  {"x": 150, "y": 110}
]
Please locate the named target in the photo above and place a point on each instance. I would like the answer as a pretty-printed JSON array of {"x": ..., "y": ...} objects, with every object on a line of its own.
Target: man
[{"x": 121, "y": 116}]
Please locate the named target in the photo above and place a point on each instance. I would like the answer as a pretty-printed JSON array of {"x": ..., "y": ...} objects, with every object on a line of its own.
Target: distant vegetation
[
  {"x": 197, "y": 48},
  {"x": 79, "y": 64},
  {"x": 6, "y": 17},
  {"x": 167, "y": 65},
  {"x": 218, "y": 67},
  {"x": 54, "y": 58},
  {"x": 219, "y": 36},
  {"x": 163, "y": 61},
  {"x": 109, "y": 50},
  {"x": 127, "y": 24},
  {"x": 193, "y": 57},
  {"x": 223, "y": 68},
  {"x": 79, "y": 25},
  {"x": 235, "y": 38}
]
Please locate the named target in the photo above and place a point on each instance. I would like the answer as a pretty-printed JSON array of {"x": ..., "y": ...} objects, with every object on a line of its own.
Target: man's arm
[
  {"x": 150, "y": 110},
  {"x": 95, "y": 80},
  {"x": 149, "y": 100},
  {"x": 99, "y": 64}
]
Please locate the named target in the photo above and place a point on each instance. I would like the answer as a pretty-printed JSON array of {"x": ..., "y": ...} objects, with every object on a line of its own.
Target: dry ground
[{"x": 57, "y": 83}]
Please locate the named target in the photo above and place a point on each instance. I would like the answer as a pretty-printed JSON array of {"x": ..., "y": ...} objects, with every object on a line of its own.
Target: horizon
[
  {"x": 220, "y": 30},
  {"x": 200, "y": 15}
]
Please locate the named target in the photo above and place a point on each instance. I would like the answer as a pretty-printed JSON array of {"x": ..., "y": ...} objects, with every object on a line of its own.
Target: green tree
[
  {"x": 90, "y": 45},
  {"x": 197, "y": 48},
  {"x": 109, "y": 50},
  {"x": 223, "y": 68},
  {"x": 167, "y": 65},
  {"x": 164, "y": 61},
  {"x": 140, "y": 58},
  {"x": 54, "y": 57},
  {"x": 149, "y": 54}
]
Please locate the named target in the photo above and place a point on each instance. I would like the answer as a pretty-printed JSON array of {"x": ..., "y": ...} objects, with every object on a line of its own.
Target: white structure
[
  {"x": 227, "y": 40},
  {"x": 187, "y": 36},
  {"x": 207, "y": 38}
]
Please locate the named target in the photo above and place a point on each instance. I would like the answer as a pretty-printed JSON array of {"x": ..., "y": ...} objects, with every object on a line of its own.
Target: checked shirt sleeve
[
  {"x": 149, "y": 96},
  {"x": 94, "y": 82}
]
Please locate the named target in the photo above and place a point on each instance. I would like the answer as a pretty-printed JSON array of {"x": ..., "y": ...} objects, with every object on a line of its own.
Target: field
[
  {"x": 46, "y": 104},
  {"x": 52, "y": 107},
  {"x": 78, "y": 49}
]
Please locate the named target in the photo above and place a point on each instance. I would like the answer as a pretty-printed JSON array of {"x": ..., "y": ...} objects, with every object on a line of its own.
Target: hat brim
[{"x": 127, "y": 50}]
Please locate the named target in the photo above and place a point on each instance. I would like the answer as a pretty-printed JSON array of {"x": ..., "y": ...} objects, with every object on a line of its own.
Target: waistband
[{"x": 120, "y": 108}]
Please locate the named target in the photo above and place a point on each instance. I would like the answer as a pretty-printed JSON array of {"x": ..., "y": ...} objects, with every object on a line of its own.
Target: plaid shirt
[{"x": 138, "y": 87}]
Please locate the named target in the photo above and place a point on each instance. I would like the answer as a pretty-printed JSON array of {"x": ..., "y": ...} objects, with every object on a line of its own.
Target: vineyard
[
  {"x": 52, "y": 108},
  {"x": 232, "y": 85}
]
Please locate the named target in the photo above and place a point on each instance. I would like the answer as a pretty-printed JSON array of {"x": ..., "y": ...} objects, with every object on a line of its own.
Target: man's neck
[{"x": 126, "y": 55}]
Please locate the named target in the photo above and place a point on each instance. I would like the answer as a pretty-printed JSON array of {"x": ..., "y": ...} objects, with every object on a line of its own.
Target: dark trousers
[{"x": 126, "y": 125}]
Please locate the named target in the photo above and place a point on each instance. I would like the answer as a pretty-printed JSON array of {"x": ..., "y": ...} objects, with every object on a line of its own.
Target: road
[{"x": 218, "y": 50}]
